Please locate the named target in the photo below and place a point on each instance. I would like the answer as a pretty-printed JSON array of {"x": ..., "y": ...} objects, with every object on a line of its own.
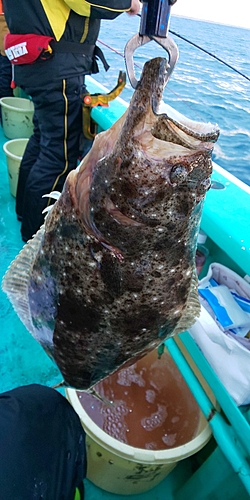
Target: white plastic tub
[
  {"x": 17, "y": 117},
  {"x": 14, "y": 151},
  {"x": 123, "y": 469}
]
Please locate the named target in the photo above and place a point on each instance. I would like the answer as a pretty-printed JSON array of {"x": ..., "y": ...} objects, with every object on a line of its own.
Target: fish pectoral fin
[
  {"x": 16, "y": 279},
  {"x": 118, "y": 216}
]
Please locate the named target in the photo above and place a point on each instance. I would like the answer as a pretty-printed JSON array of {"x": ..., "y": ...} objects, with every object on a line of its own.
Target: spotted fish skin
[{"x": 113, "y": 273}]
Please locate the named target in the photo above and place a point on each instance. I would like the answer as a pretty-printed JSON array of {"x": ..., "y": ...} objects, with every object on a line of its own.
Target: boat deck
[{"x": 23, "y": 361}]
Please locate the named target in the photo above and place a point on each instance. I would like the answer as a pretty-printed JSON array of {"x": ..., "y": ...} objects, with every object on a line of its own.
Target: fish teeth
[
  {"x": 47, "y": 209},
  {"x": 54, "y": 194}
]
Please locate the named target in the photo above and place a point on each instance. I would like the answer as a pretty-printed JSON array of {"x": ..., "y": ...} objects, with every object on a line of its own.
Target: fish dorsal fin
[
  {"x": 16, "y": 279},
  {"x": 192, "y": 310}
]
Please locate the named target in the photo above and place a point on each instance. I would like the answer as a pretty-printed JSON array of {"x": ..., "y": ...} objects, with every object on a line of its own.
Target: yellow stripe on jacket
[{"x": 57, "y": 14}]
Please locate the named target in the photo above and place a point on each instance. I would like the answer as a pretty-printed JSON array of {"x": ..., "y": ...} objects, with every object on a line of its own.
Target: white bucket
[
  {"x": 122, "y": 469},
  {"x": 14, "y": 151},
  {"x": 17, "y": 117}
]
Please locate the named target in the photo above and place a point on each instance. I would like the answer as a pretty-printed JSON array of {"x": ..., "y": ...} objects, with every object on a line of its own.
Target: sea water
[
  {"x": 200, "y": 87},
  {"x": 151, "y": 405}
]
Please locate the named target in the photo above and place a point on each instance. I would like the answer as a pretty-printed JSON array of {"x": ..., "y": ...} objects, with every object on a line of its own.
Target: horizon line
[{"x": 210, "y": 21}]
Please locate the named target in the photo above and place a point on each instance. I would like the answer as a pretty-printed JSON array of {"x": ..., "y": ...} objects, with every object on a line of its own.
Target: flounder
[{"x": 111, "y": 274}]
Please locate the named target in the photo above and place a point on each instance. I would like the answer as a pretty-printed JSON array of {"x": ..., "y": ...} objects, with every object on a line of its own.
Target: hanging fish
[{"x": 111, "y": 274}]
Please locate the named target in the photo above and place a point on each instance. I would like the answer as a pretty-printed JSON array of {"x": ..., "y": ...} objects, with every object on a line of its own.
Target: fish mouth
[
  {"x": 182, "y": 136},
  {"x": 152, "y": 151},
  {"x": 182, "y": 130},
  {"x": 184, "y": 147},
  {"x": 152, "y": 115}
]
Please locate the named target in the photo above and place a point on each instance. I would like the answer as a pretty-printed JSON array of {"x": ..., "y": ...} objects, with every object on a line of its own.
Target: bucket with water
[
  {"x": 14, "y": 151},
  {"x": 17, "y": 117},
  {"x": 152, "y": 423}
]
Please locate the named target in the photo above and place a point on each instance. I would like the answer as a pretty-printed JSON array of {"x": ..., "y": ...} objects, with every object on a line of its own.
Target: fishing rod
[
  {"x": 206, "y": 52},
  {"x": 209, "y": 53},
  {"x": 191, "y": 43}
]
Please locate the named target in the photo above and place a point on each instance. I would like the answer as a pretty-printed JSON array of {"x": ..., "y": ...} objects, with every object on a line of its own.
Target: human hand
[{"x": 135, "y": 8}]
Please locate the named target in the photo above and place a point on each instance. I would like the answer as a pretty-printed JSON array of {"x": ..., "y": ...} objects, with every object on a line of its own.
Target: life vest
[{"x": 26, "y": 49}]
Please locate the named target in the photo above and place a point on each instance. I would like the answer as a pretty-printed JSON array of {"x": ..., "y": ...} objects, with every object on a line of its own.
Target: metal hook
[{"x": 137, "y": 41}]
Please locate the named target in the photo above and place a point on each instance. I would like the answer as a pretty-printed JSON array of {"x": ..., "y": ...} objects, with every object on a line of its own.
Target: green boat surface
[{"x": 220, "y": 470}]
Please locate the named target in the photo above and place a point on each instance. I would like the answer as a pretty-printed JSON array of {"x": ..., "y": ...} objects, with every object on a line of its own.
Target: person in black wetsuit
[
  {"x": 55, "y": 82},
  {"x": 5, "y": 65},
  {"x": 42, "y": 446}
]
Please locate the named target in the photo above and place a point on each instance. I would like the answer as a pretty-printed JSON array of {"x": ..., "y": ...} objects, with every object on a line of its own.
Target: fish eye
[{"x": 178, "y": 174}]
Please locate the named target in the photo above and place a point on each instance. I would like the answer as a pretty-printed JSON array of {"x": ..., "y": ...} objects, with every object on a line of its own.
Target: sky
[{"x": 235, "y": 13}]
